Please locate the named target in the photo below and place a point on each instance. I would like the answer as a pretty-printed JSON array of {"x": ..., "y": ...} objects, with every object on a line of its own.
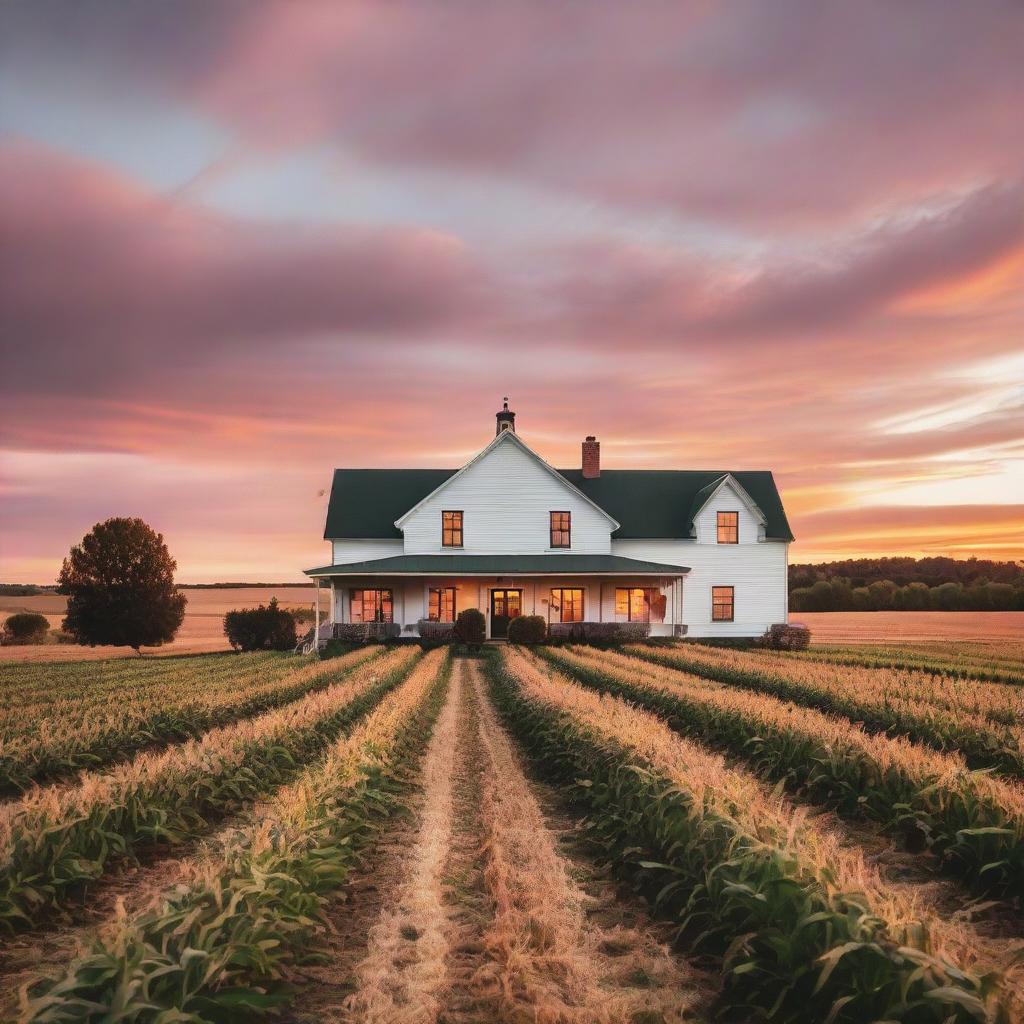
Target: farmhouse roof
[{"x": 648, "y": 503}]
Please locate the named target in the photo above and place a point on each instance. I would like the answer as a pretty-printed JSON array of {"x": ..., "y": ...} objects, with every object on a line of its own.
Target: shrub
[
  {"x": 471, "y": 627},
  {"x": 527, "y": 629},
  {"x": 599, "y": 632},
  {"x": 365, "y": 632},
  {"x": 435, "y": 632},
  {"x": 26, "y": 628},
  {"x": 783, "y": 637},
  {"x": 266, "y": 628},
  {"x": 302, "y": 615}
]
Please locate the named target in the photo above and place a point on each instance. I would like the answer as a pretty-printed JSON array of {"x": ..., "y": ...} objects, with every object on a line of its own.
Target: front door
[{"x": 505, "y": 605}]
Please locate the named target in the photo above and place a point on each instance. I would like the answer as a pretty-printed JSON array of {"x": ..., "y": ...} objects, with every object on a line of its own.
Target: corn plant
[
  {"x": 973, "y": 822},
  {"x": 798, "y": 935},
  {"x": 984, "y": 668},
  {"x": 56, "y": 840},
  {"x": 947, "y": 714},
  {"x": 102, "y": 729},
  {"x": 219, "y": 945}
]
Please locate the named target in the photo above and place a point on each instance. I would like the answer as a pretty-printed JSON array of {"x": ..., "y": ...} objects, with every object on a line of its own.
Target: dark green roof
[
  {"x": 648, "y": 503},
  {"x": 500, "y": 565}
]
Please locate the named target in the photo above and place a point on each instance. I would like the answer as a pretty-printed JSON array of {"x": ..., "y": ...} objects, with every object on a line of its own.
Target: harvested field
[{"x": 201, "y": 632}]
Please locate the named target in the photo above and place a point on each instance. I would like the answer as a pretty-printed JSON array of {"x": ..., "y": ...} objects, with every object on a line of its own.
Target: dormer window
[
  {"x": 728, "y": 527},
  {"x": 451, "y": 529},
  {"x": 561, "y": 529}
]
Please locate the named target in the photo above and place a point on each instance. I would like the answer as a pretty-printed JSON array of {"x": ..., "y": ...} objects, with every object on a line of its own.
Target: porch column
[
  {"x": 332, "y": 606},
  {"x": 316, "y": 614}
]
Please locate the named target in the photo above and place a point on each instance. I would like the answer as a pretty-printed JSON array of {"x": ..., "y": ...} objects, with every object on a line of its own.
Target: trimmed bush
[
  {"x": 26, "y": 628},
  {"x": 365, "y": 632},
  {"x": 782, "y": 637},
  {"x": 527, "y": 629},
  {"x": 265, "y": 628},
  {"x": 435, "y": 632},
  {"x": 599, "y": 632},
  {"x": 471, "y": 627}
]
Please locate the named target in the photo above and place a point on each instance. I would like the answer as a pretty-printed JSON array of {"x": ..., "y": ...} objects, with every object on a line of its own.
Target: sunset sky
[{"x": 244, "y": 243}]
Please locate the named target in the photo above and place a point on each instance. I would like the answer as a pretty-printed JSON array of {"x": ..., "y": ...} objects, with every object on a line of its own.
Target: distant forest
[{"x": 907, "y": 584}]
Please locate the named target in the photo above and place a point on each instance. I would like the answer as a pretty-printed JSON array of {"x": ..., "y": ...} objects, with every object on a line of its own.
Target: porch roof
[{"x": 501, "y": 565}]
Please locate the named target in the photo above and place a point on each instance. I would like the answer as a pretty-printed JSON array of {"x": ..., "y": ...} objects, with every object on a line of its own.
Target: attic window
[
  {"x": 561, "y": 529},
  {"x": 451, "y": 529},
  {"x": 728, "y": 527}
]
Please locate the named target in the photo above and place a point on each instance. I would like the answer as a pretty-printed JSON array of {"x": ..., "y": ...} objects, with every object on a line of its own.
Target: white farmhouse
[{"x": 696, "y": 552}]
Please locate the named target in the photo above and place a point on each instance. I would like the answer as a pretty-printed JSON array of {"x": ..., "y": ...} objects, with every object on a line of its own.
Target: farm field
[
  {"x": 661, "y": 833},
  {"x": 201, "y": 632},
  {"x": 911, "y": 627}
]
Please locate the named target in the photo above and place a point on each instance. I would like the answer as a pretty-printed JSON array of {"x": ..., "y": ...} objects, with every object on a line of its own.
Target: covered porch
[{"x": 406, "y": 589}]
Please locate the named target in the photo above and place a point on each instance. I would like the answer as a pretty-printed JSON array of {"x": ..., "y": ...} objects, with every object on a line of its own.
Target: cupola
[{"x": 506, "y": 419}]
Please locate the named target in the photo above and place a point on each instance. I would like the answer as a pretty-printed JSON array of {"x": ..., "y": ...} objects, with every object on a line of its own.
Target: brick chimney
[{"x": 591, "y": 458}]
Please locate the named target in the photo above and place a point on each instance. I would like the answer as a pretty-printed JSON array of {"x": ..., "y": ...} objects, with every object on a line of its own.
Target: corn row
[
  {"x": 990, "y": 701},
  {"x": 974, "y": 822},
  {"x": 945, "y": 713},
  {"x": 58, "y": 838},
  {"x": 803, "y": 928},
  {"x": 980, "y": 668},
  {"x": 49, "y": 690},
  {"x": 175, "y": 711},
  {"x": 216, "y": 947}
]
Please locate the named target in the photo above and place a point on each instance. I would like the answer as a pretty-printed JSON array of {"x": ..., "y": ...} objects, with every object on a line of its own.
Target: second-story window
[
  {"x": 451, "y": 529},
  {"x": 561, "y": 529},
  {"x": 728, "y": 527}
]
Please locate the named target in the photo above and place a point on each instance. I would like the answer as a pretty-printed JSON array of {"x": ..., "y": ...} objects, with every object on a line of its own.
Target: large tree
[{"x": 120, "y": 587}]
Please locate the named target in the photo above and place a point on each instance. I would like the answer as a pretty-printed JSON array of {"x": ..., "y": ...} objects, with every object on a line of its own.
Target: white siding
[
  {"x": 505, "y": 499},
  {"x": 363, "y": 550},
  {"x": 756, "y": 569}
]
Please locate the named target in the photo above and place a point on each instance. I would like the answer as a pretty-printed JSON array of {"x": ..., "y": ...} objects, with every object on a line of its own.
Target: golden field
[{"x": 201, "y": 632}]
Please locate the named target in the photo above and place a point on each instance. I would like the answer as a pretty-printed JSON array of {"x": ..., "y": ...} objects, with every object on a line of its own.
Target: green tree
[{"x": 120, "y": 587}]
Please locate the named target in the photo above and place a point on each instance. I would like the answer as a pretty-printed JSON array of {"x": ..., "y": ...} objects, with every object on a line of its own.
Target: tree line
[{"x": 907, "y": 584}]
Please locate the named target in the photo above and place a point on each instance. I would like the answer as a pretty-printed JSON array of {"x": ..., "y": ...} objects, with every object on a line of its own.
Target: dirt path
[{"x": 559, "y": 954}]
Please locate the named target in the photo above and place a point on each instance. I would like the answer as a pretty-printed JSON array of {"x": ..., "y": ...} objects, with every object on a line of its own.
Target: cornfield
[{"x": 562, "y": 835}]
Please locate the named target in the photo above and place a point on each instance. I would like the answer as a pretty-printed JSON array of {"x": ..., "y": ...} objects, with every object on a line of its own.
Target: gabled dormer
[{"x": 724, "y": 513}]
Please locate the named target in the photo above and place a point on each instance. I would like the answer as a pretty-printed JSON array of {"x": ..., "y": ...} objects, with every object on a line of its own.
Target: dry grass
[
  {"x": 550, "y": 963},
  {"x": 202, "y": 630},
  {"x": 912, "y": 627},
  {"x": 403, "y": 973}
]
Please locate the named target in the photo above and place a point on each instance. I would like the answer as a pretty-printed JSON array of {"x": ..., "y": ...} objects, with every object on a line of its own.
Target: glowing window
[
  {"x": 561, "y": 529},
  {"x": 371, "y": 606},
  {"x": 639, "y": 604},
  {"x": 722, "y": 604},
  {"x": 451, "y": 529},
  {"x": 441, "y": 606},
  {"x": 728, "y": 527},
  {"x": 566, "y": 604}
]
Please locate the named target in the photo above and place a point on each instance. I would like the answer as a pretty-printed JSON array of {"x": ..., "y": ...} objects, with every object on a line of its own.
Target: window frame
[
  {"x": 647, "y": 594},
  {"x": 379, "y": 603},
  {"x": 452, "y": 529},
  {"x": 734, "y": 528},
  {"x": 566, "y": 530},
  {"x": 439, "y": 591},
  {"x": 719, "y": 603},
  {"x": 582, "y": 591}
]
